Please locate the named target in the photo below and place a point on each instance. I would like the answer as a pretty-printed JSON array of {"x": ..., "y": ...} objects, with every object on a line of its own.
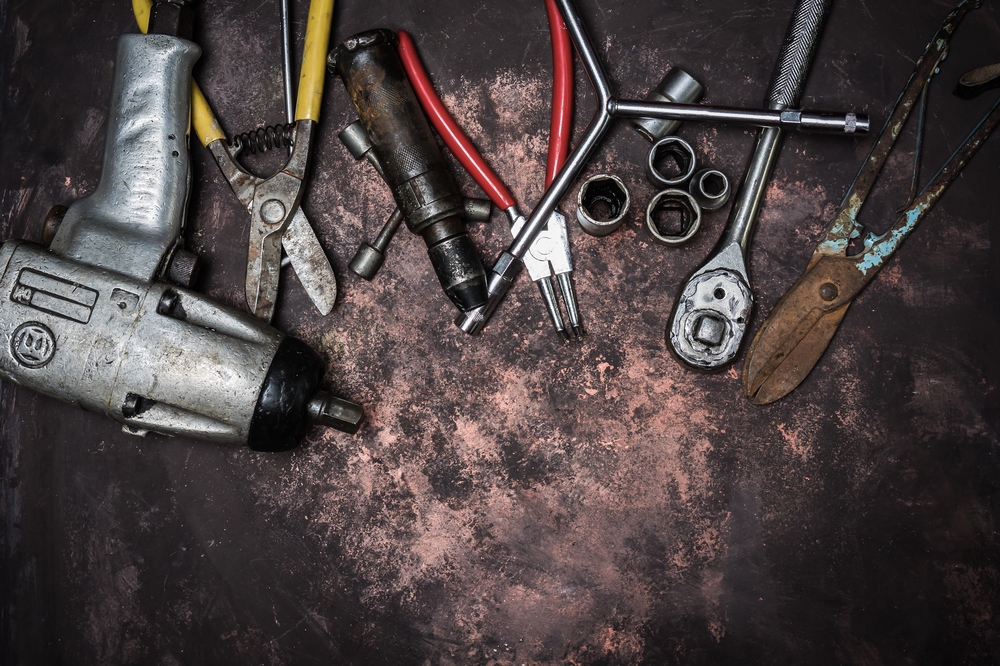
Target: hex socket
[
  {"x": 602, "y": 191},
  {"x": 677, "y": 87},
  {"x": 681, "y": 151},
  {"x": 710, "y": 188},
  {"x": 685, "y": 204}
]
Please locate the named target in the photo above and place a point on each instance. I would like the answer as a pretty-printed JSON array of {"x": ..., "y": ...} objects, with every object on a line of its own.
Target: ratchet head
[{"x": 711, "y": 313}]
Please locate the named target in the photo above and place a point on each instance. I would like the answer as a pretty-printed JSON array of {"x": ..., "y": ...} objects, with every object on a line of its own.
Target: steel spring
[{"x": 263, "y": 139}]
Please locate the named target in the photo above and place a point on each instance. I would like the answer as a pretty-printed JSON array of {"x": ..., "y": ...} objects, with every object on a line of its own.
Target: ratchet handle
[
  {"x": 453, "y": 136},
  {"x": 797, "y": 53}
]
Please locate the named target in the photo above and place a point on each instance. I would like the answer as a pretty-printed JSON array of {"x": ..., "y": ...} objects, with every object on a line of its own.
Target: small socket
[
  {"x": 366, "y": 262},
  {"x": 673, "y": 205},
  {"x": 602, "y": 203},
  {"x": 355, "y": 139},
  {"x": 671, "y": 162},
  {"x": 710, "y": 188}
]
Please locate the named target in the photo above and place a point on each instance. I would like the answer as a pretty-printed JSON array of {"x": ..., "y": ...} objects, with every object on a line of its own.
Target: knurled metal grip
[
  {"x": 397, "y": 128},
  {"x": 797, "y": 53}
]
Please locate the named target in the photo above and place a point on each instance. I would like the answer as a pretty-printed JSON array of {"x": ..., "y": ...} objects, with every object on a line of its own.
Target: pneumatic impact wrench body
[{"x": 92, "y": 318}]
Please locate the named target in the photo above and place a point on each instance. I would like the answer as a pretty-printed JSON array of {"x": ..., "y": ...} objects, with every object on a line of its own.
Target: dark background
[{"x": 511, "y": 499}]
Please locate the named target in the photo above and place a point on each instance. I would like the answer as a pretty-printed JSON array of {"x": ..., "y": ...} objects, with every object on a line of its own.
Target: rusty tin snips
[{"x": 797, "y": 332}]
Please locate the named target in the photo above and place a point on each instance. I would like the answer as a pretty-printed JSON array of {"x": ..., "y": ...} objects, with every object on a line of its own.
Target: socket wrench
[{"x": 713, "y": 309}]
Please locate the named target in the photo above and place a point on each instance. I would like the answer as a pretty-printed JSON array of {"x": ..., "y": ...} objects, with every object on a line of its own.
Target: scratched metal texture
[{"x": 510, "y": 499}]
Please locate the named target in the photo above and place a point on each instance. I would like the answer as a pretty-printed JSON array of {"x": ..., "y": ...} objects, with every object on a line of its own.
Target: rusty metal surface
[
  {"x": 797, "y": 332},
  {"x": 513, "y": 500}
]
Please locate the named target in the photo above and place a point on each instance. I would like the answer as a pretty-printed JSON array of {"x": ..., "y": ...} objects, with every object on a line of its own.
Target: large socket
[{"x": 412, "y": 163}]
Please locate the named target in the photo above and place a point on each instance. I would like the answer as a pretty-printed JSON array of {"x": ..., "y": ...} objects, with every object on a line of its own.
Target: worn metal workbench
[{"x": 512, "y": 499}]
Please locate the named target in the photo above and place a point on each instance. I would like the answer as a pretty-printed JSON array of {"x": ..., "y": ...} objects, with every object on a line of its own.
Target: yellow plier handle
[
  {"x": 313, "y": 73},
  {"x": 311, "y": 79},
  {"x": 273, "y": 203}
]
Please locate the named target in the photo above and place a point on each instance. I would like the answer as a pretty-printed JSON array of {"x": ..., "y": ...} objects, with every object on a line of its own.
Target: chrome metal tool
[
  {"x": 712, "y": 311},
  {"x": 510, "y": 261}
]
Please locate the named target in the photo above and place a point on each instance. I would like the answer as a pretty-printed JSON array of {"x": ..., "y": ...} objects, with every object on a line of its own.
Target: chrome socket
[
  {"x": 710, "y": 188},
  {"x": 677, "y": 87},
  {"x": 673, "y": 200},
  {"x": 681, "y": 152},
  {"x": 602, "y": 203}
]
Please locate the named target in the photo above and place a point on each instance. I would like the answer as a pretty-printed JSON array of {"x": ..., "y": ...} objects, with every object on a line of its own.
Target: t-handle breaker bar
[{"x": 509, "y": 263}]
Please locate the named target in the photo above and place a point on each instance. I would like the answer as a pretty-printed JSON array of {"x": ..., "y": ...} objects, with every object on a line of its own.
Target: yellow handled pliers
[{"x": 276, "y": 220}]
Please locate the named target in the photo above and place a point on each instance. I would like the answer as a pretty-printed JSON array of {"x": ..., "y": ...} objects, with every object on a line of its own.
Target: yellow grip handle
[
  {"x": 142, "y": 8},
  {"x": 205, "y": 125},
  {"x": 314, "y": 60}
]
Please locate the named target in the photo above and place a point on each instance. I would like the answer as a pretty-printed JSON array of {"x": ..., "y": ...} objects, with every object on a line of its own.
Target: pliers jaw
[
  {"x": 548, "y": 292},
  {"x": 272, "y": 204},
  {"x": 503, "y": 273},
  {"x": 549, "y": 257}
]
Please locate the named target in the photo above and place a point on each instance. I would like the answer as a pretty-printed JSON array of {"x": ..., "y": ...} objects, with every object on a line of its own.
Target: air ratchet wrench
[
  {"x": 713, "y": 309},
  {"x": 411, "y": 162}
]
